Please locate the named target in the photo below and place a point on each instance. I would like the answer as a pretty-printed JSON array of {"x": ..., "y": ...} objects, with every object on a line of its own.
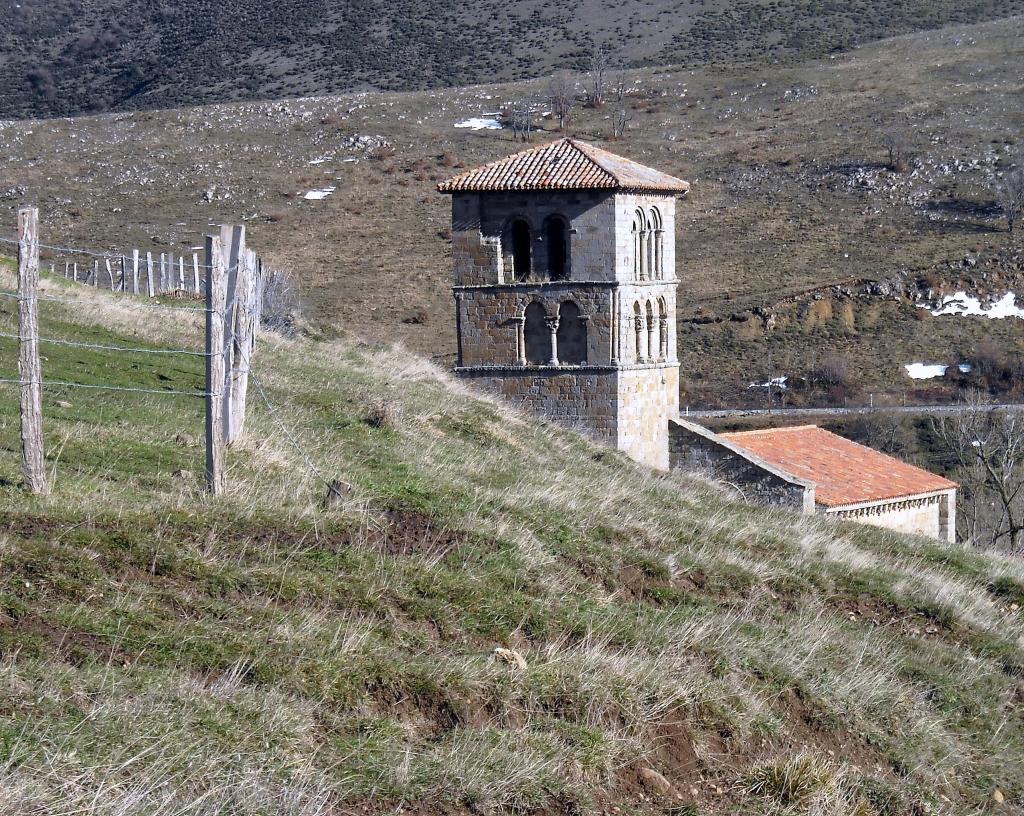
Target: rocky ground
[{"x": 792, "y": 203}]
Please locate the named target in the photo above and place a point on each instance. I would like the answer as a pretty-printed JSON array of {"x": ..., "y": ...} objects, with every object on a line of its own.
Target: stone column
[
  {"x": 520, "y": 339},
  {"x": 663, "y": 338},
  {"x": 639, "y": 326},
  {"x": 650, "y": 339},
  {"x": 552, "y": 324}
]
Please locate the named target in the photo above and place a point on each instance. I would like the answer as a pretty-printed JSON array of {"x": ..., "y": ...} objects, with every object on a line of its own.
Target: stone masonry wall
[
  {"x": 584, "y": 401},
  {"x": 648, "y": 398},
  {"x": 626, "y": 205},
  {"x": 488, "y": 319},
  {"x": 694, "y": 448},
  {"x": 479, "y": 220}
]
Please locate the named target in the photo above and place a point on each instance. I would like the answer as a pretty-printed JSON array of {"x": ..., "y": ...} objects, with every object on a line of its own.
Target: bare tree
[
  {"x": 562, "y": 92},
  {"x": 519, "y": 116},
  {"x": 986, "y": 447},
  {"x": 1010, "y": 196},
  {"x": 897, "y": 144},
  {"x": 619, "y": 120},
  {"x": 620, "y": 84},
  {"x": 600, "y": 62}
]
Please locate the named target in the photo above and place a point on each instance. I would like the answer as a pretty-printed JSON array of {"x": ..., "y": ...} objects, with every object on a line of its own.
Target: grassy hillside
[
  {"x": 259, "y": 654},
  {"x": 64, "y": 57},
  {"x": 791, "y": 207}
]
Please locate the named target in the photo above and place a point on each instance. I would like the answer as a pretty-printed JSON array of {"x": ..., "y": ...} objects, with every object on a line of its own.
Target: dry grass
[{"x": 257, "y": 654}]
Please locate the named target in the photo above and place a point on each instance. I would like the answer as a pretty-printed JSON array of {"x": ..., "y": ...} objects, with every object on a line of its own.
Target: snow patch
[
  {"x": 774, "y": 382},
  {"x": 479, "y": 123},
  {"x": 319, "y": 195},
  {"x": 961, "y": 303},
  {"x": 928, "y": 371}
]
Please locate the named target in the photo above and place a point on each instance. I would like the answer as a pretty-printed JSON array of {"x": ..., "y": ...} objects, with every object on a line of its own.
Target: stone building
[
  {"x": 565, "y": 282},
  {"x": 811, "y": 470}
]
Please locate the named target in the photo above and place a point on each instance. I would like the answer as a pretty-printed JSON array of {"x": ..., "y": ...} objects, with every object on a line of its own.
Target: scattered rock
[
  {"x": 510, "y": 657},
  {"x": 654, "y": 783},
  {"x": 417, "y": 318},
  {"x": 63, "y": 404},
  {"x": 337, "y": 492},
  {"x": 185, "y": 440},
  {"x": 181, "y": 474},
  {"x": 997, "y": 796}
]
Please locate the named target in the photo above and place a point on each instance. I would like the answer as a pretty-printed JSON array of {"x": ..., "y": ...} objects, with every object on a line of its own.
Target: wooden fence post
[
  {"x": 65, "y": 270},
  {"x": 181, "y": 272},
  {"x": 96, "y": 273},
  {"x": 110, "y": 272},
  {"x": 29, "y": 369},
  {"x": 124, "y": 274},
  {"x": 163, "y": 273},
  {"x": 149, "y": 270},
  {"x": 195, "y": 273},
  {"x": 135, "y": 271},
  {"x": 216, "y": 297},
  {"x": 75, "y": 278},
  {"x": 242, "y": 347},
  {"x": 232, "y": 239}
]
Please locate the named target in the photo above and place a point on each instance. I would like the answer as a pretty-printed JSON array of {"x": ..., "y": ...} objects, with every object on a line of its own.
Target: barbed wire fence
[{"x": 232, "y": 284}]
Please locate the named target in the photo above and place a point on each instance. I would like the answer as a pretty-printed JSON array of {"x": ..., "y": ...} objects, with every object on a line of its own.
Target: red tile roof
[
  {"x": 567, "y": 164},
  {"x": 845, "y": 472}
]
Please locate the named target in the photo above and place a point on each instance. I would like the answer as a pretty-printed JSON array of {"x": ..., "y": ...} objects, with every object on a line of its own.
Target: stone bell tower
[{"x": 565, "y": 290}]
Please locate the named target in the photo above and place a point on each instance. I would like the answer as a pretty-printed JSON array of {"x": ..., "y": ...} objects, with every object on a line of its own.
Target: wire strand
[
  {"x": 102, "y": 347},
  {"x": 79, "y": 301},
  {"x": 287, "y": 432},
  {"x": 170, "y": 391},
  {"x": 109, "y": 254}
]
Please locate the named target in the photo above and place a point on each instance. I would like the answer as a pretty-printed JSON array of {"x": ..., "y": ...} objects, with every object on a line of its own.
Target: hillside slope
[
  {"x": 258, "y": 654},
  {"x": 64, "y": 57},
  {"x": 792, "y": 212}
]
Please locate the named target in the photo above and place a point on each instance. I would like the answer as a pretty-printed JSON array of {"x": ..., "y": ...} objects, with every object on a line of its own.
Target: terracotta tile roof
[
  {"x": 567, "y": 164},
  {"x": 845, "y": 472}
]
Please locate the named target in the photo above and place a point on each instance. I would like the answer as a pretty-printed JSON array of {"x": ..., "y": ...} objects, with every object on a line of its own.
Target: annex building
[{"x": 811, "y": 470}]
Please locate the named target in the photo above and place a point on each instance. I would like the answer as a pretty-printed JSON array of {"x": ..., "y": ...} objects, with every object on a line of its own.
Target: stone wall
[
  {"x": 648, "y": 399},
  {"x": 692, "y": 447},
  {"x": 582, "y": 400},
  {"x": 931, "y": 515},
  {"x": 480, "y": 224}
]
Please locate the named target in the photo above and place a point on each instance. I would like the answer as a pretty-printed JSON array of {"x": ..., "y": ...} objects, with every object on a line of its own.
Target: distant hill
[
  {"x": 791, "y": 246},
  {"x": 66, "y": 57}
]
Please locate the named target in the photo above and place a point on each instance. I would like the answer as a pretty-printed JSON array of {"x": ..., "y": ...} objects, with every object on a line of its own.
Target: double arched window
[
  {"x": 553, "y": 340},
  {"x": 519, "y": 241},
  {"x": 650, "y": 332},
  {"x": 648, "y": 245}
]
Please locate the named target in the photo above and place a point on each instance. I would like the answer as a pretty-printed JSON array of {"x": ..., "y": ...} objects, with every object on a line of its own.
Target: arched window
[
  {"x": 537, "y": 335},
  {"x": 662, "y": 330},
  {"x": 658, "y": 248},
  {"x": 556, "y": 233},
  {"x": 640, "y": 245},
  {"x": 519, "y": 248},
  {"x": 650, "y": 332},
  {"x": 638, "y": 332},
  {"x": 572, "y": 335}
]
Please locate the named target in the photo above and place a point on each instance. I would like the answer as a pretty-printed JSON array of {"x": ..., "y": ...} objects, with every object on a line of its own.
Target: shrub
[{"x": 282, "y": 304}]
